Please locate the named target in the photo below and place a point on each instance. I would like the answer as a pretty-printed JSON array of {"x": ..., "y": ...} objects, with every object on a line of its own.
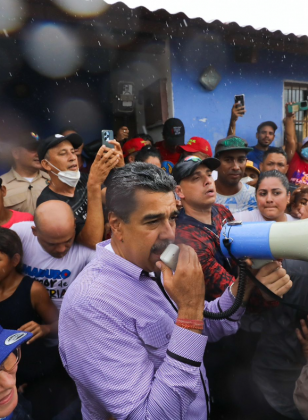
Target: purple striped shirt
[{"x": 115, "y": 329}]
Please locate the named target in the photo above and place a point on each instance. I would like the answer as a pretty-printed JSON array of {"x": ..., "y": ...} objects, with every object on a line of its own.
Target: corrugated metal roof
[{"x": 274, "y": 15}]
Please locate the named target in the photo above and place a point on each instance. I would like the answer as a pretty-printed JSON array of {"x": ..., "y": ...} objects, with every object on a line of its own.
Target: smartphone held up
[
  {"x": 106, "y": 136},
  {"x": 239, "y": 99}
]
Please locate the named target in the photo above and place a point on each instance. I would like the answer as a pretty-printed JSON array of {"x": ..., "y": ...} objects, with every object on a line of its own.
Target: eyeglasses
[
  {"x": 11, "y": 361},
  {"x": 193, "y": 159}
]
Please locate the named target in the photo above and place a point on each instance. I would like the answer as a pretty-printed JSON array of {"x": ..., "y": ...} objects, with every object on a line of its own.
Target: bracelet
[{"x": 190, "y": 324}]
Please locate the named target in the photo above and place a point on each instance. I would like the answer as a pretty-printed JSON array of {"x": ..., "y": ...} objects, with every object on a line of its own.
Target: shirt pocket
[
  {"x": 158, "y": 333},
  {"x": 13, "y": 198}
]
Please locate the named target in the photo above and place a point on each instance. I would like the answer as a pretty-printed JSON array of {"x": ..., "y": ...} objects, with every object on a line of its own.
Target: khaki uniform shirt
[{"x": 21, "y": 194}]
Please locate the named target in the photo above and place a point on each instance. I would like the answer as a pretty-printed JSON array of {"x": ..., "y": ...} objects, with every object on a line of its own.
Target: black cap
[
  {"x": 174, "y": 132},
  {"x": 231, "y": 143},
  {"x": 270, "y": 123},
  {"x": 53, "y": 141},
  {"x": 187, "y": 167},
  {"x": 27, "y": 140}
]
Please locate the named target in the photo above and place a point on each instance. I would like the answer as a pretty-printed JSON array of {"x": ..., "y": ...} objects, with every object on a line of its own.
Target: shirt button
[{"x": 168, "y": 336}]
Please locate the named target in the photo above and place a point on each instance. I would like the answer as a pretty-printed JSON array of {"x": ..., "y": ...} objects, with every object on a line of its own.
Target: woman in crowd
[
  {"x": 10, "y": 353},
  {"x": 273, "y": 196},
  {"x": 36, "y": 313},
  {"x": 277, "y": 360},
  {"x": 298, "y": 207},
  {"x": 149, "y": 154}
]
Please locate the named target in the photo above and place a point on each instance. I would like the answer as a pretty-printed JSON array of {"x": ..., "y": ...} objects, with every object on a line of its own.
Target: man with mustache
[
  {"x": 231, "y": 192},
  {"x": 133, "y": 345}
]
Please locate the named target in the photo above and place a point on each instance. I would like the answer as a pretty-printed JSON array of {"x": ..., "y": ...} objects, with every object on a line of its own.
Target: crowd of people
[{"x": 100, "y": 327}]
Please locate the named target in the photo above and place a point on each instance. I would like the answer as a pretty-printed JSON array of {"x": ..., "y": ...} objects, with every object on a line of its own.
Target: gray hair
[
  {"x": 273, "y": 174},
  {"x": 125, "y": 181}
]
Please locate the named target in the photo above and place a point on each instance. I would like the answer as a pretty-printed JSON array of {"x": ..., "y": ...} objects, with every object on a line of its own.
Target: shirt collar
[
  {"x": 117, "y": 262},
  {"x": 183, "y": 218},
  {"x": 12, "y": 175}
]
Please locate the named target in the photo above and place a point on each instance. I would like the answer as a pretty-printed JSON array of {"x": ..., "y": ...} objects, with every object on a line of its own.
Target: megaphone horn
[{"x": 266, "y": 240}]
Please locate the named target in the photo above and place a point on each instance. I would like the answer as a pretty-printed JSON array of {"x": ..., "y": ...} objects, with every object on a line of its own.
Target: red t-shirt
[
  {"x": 298, "y": 170},
  {"x": 169, "y": 159},
  {"x": 18, "y": 216}
]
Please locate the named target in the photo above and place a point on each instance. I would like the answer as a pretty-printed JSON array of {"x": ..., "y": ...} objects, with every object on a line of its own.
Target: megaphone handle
[{"x": 257, "y": 264}]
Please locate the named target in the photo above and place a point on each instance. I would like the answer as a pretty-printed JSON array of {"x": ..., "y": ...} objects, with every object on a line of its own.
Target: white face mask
[
  {"x": 70, "y": 178},
  {"x": 246, "y": 179}
]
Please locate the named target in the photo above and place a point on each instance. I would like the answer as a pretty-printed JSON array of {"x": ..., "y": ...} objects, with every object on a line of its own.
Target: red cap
[
  {"x": 133, "y": 145},
  {"x": 198, "y": 144}
]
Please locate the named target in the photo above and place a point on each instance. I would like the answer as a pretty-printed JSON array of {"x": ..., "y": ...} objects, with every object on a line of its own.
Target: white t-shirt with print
[
  {"x": 256, "y": 216},
  {"x": 245, "y": 199},
  {"x": 56, "y": 274}
]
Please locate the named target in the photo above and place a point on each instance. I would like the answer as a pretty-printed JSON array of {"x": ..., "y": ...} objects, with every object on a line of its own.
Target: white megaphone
[{"x": 265, "y": 241}]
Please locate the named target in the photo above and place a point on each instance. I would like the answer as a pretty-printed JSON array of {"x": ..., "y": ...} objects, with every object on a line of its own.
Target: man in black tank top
[{"x": 82, "y": 192}]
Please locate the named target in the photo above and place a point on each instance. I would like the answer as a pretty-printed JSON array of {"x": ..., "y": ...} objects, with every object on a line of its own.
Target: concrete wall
[{"x": 207, "y": 113}]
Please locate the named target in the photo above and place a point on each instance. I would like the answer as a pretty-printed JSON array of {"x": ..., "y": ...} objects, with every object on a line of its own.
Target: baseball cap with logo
[
  {"x": 133, "y": 145},
  {"x": 174, "y": 132},
  {"x": 198, "y": 144},
  {"x": 10, "y": 340},
  {"x": 187, "y": 167},
  {"x": 231, "y": 143},
  {"x": 53, "y": 141}
]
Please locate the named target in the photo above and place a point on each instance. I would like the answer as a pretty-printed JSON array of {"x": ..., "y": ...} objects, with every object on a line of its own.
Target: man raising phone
[
  {"x": 265, "y": 134},
  {"x": 81, "y": 191}
]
